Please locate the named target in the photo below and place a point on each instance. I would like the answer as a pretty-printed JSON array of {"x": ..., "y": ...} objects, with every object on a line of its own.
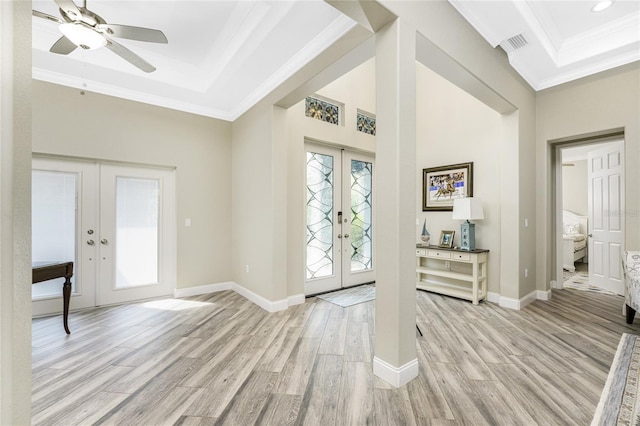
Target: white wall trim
[
  {"x": 202, "y": 289},
  {"x": 543, "y": 294},
  {"x": 266, "y": 304},
  {"x": 396, "y": 376},
  {"x": 507, "y": 302},
  {"x": 493, "y": 297},
  {"x": 296, "y": 299}
]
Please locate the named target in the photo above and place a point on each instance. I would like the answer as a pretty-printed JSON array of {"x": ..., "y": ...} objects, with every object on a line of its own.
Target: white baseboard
[
  {"x": 396, "y": 376},
  {"x": 543, "y": 295},
  {"x": 507, "y": 302},
  {"x": 296, "y": 299},
  {"x": 266, "y": 304},
  {"x": 202, "y": 289},
  {"x": 493, "y": 297}
]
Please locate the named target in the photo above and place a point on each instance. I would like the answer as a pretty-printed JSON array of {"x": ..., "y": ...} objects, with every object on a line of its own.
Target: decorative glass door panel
[
  {"x": 357, "y": 226},
  {"x": 361, "y": 216},
  {"x": 339, "y": 219},
  {"x": 320, "y": 223}
]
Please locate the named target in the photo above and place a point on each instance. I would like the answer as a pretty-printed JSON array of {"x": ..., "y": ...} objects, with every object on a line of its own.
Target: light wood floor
[{"x": 219, "y": 359}]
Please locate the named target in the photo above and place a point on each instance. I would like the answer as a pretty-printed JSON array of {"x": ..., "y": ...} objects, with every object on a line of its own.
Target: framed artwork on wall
[{"x": 441, "y": 185}]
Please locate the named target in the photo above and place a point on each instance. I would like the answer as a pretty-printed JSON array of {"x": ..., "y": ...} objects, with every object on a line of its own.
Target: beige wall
[
  {"x": 452, "y": 128},
  {"x": 108, "y": 128},
  {"x": 574, "y": 188},
  {"x": 591, "y": 105},
  {"x": 15, "y": 217},
  {"x": 442, "y": 25}
]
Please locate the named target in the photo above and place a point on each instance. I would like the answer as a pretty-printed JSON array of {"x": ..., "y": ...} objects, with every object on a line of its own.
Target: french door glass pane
[
  {"x": 320, "y": 182},
  {"x": 361, "y": 215},
  {"x": 137, "y": 227},
  {"x": 53, "y": 222}
]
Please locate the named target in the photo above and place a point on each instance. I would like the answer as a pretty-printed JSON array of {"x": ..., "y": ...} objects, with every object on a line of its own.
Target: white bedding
[{"x": 575, "y": 237}]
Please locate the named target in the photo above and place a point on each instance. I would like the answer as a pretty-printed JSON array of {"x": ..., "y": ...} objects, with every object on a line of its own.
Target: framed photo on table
[
  {"x": 441, "y": 185},
  {"x": 446, "y": 239}
]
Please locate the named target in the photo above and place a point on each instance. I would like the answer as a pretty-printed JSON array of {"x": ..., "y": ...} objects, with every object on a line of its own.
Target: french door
[
  {"x": 116, "y": 222},
  {"x": 339, "y": 223}
]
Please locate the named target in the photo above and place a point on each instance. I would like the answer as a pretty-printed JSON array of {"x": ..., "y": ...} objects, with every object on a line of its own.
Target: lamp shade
[{"x": 467, "y": 209}]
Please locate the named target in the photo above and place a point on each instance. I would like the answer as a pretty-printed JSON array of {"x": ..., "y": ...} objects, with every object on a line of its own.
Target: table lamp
[{"x": 467, "y": 209}]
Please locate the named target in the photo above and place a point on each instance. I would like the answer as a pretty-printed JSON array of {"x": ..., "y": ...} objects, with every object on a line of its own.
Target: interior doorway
[
  {"x": 115, "y": 222},
  {"x": 590, "y": 210},
  {"x": 339, "y": 223}
]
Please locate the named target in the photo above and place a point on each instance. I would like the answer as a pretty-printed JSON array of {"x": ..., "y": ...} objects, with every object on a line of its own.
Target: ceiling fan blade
[
  {"x": 45, "y": 16},
  {"x": 129, "y": 56},
  {"x": 70, "y": 9},
  {"x": 133, "y": 33},
  {"x": 63, "y": 46}
]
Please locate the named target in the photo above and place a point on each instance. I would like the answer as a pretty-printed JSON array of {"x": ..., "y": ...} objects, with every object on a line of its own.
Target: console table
[
  {"x": 453, "y": 272},
  {"x": 45, "y": 271}
]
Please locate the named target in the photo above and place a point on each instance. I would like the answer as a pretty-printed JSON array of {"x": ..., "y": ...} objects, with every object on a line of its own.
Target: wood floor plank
[
  {"x": 356, "y": 404},
  {"x": 220, "y": 359},
  {"x": 281, "y": 410},
  {"x": 250, "y": 401},
  {"x": 296, "y": 372},
  {"x": 393, "y": 407},
  {"x": 334, "y": 337},
  {"x": 320, "y": 402},
  {"x": 357, "y": 343}
]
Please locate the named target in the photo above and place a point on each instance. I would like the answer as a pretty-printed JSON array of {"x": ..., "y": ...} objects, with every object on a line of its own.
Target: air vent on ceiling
[{"x": 514, "y": 43}]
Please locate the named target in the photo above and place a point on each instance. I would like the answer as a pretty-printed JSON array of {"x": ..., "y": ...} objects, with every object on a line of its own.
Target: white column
[
  {"x": 15, "y": 208},
  {"x": 395, "y": 350}
]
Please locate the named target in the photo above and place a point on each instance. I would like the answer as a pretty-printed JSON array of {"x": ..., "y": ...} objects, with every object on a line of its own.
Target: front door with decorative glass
[{"x": 339, "y": 219}]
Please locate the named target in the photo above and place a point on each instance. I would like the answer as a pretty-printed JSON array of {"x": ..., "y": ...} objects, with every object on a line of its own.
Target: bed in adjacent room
[{"x": 574, "y": 239}]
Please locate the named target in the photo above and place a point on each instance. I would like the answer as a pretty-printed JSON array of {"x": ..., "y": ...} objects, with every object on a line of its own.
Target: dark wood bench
[{"x": 45, "y": 271}]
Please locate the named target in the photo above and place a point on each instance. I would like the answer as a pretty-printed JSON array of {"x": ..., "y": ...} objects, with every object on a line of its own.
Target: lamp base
[{"x": 467, "y": 236}]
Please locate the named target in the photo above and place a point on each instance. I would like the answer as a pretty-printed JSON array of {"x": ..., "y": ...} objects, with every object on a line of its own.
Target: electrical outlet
[
  {"x": 247, "y": 268},
  {"x": 447, "y": 265},
  {"x": 526, "y": 273}
]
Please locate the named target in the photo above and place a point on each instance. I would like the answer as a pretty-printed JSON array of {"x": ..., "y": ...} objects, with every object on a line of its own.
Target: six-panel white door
[{"x": 605, "y": 169}]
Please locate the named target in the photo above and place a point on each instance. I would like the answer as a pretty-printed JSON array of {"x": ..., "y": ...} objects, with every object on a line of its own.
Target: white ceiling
[
  {"x": 224, "y": 56},
  {"x": 565, "y": 40}
]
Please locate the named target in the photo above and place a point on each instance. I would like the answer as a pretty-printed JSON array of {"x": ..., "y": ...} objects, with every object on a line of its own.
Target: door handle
[
  {"x": 590, "y": 235},
  {"x": 91, "y": 242},
  {"x": 104, "y": 241},
  {"x": 339, "y": 235},
  {"x": 346, "y": 235}
]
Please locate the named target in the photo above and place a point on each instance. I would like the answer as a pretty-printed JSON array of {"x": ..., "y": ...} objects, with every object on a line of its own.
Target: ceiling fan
[{"x": 83, "y": 28}]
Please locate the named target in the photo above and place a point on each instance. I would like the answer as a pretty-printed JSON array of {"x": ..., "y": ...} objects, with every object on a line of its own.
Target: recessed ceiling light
[{"x": 602, "y": 5}]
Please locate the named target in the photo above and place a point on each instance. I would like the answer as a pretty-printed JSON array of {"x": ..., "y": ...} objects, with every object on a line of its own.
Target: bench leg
[
  {"x": 630, "y": 314},
  {"x": 66, "y": 296}
]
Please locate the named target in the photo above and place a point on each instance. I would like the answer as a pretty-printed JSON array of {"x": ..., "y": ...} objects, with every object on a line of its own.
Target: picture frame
[
  {"x": 446, "y": 239},
  {"x": 441, "y": 185}
]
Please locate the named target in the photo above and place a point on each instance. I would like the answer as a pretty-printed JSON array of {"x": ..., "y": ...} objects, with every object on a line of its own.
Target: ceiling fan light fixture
[
  {"x": 83, "y": 36},
  {"x": 602, "y": 5}
]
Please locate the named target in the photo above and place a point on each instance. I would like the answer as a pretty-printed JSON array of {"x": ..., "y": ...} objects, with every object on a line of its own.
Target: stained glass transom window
[
  {"x": 322, "y": 110},
  {"x": 320, "y": 182},
  {"x": 361, "y": 215},
  {"x": 366, "y": 124}
]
